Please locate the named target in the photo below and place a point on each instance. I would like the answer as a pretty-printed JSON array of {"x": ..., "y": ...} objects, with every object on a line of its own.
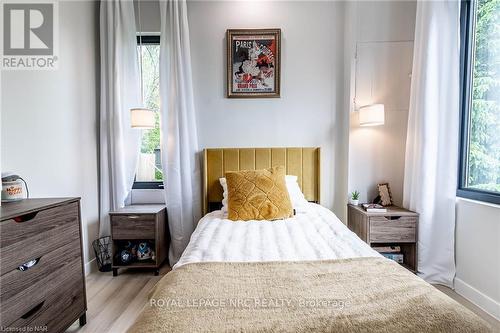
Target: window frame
[
  {"x": 149, "y": 185},
  {"x": 467, "y": 41}
]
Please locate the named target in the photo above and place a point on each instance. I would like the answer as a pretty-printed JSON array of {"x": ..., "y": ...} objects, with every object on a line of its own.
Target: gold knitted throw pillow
[{"x": 258, "y": 195}]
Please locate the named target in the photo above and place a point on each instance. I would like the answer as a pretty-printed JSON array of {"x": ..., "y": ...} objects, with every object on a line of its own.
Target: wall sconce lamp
[
  {"x": 142, "y": 118},
  {"x": 371, "y": 115}
]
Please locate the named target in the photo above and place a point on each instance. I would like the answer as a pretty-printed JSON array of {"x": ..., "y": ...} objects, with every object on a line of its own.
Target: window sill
[
  {"x": 478, "y": 202},
  {"x": 147, "y": 196}
]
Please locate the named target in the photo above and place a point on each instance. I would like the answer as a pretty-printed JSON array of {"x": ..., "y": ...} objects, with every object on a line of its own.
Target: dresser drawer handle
[
  {"x": 134, "y": 217},
  {"x": 25, "y": 217},
  {"x": 33, "y": 311},
  {"x": 393, "y": 217},
  {"x": 27, "y": 265}
]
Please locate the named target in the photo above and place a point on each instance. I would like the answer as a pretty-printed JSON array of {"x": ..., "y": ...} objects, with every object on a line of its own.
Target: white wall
[
  {"x": 150, "y": 16},
  {"x": 313, "y": 104},
  {"x": 309, "y": 112},
  {"x": 48, "y": 119},
  {"x": 478, "y": 254},
  {"x": 48, "y": 128},
  {"x": 383, "y": 44}
]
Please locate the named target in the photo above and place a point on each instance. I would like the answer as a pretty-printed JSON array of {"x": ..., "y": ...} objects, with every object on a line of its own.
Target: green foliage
[
  {"x": 487, "y": 187},
  {"x": 484, "y": 144},
  {"x": 158, "y": 174},
  {"x": 151, "y": 137},
  {"x": 355, "y": 195},
  {"x": 151, "y": 79}
]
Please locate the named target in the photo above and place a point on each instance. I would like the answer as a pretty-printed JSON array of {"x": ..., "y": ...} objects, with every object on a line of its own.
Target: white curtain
[
  {"x": 119, "y": 143},
  {"x": 430, "y": 179},
  {"x": 181, "y": 166}
]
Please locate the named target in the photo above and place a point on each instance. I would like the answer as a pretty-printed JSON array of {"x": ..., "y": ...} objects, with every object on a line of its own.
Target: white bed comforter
[{"x": 313, "y": 234}]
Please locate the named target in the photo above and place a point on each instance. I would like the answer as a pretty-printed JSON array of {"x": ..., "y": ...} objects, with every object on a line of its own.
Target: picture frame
[
  {"x": 253, "y": 63},
  {"x": 384, "y": 192}
]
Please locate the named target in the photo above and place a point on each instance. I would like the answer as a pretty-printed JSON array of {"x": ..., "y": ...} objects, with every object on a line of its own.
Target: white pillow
[
  {"x": 223, "y": 183},
  {"x": 296, "y": 196}
]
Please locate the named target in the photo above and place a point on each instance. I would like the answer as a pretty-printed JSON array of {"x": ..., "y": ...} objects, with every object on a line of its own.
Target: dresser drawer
[
  {"x": 386, "y": 230},
  {"x": 49, "y": 295},
  {"x": 32, "y": 235},
  {"x": 17, "y": 284},
  {"x": 133, "y": 226},
  {"x": 57, "y": 311}
]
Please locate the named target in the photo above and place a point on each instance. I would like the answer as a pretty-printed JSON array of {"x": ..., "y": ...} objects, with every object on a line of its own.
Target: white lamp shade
[
  {"x": 142, "y": 118},
  {"x": 371, "y": 115}
]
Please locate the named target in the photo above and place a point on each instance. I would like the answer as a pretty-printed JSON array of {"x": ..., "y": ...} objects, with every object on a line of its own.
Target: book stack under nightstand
[{"x": 398, "y": 227}]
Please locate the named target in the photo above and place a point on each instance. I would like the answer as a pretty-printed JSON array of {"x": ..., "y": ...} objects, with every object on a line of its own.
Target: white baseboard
[
  {"x": 483, "y": 301},
  {"x": 90, "y": 267}
]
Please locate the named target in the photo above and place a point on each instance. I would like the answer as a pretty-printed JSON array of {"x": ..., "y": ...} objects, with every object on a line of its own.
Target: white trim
[
  {"x": 483, "y": 301},
  {"x": 90, "y": 267},
  {"x": 147, "y": 196},
  {"x": 477, "y": 202}
]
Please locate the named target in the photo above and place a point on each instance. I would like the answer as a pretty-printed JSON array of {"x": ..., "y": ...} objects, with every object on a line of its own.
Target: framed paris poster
[{"x": 253, "y": 63}]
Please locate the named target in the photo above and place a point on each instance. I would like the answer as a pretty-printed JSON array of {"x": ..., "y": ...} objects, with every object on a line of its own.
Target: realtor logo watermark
[{"x": 30, "y": 35}]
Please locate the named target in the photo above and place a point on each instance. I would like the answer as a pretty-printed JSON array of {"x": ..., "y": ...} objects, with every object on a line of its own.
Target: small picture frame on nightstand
[{"x": 384, "y": 192}]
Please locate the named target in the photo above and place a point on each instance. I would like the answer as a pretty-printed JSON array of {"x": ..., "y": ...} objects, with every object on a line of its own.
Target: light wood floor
[
  {"x": 114, "y": 302},
  {"x": 493, "y": 322}
]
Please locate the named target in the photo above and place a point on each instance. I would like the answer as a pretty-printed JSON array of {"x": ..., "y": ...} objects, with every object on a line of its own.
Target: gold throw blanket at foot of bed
[{"x": 350, "y": 295}]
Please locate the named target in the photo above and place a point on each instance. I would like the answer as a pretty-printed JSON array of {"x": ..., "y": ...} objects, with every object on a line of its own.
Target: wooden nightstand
[
  {"x": 396, "y": 227},
  {"x": 141, "y": 223}
]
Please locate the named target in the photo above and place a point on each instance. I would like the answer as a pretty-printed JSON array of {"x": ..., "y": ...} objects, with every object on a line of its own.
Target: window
[
  {"x": 479, "y": 172},
  {"x": 149, "y": 172}
]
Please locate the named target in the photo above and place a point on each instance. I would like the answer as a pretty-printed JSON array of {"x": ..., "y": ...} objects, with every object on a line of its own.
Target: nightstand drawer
[
  {"x": 388, "y": 230},
  {"x": 141, "y": 226}
]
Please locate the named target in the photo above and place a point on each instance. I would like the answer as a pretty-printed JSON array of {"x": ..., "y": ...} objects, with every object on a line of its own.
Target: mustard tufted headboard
[{"x": 301, "y": 162}]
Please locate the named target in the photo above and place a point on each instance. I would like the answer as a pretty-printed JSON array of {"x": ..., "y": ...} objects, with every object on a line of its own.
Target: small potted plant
[{"x": 355, "y": 198}]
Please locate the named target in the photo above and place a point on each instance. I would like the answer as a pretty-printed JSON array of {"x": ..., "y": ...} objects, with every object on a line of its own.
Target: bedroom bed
[{"x": 307, "y": 273}]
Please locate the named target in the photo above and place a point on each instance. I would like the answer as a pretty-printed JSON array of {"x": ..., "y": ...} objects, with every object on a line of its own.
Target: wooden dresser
[
  {"x": 396, "y": 227},
  {"x": 47, "y": 293}
]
